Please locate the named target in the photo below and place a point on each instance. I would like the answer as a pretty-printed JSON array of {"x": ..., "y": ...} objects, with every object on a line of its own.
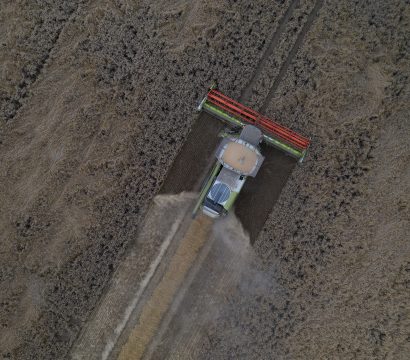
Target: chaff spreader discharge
[{"x": 239, "y": 154}]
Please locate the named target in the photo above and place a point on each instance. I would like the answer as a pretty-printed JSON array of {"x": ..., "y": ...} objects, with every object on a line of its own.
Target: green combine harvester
[{"x": 239, "y": 154}]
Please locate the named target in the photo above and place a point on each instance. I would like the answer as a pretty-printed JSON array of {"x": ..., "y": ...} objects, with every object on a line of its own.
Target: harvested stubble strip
[{"x": 163, "y": 295}]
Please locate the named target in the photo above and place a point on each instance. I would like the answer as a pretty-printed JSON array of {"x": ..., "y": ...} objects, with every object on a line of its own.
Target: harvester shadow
[{"x": 258, "y": 195}]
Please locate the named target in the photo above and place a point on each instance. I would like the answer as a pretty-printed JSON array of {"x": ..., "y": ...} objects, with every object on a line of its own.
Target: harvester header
[{"x": 238, "y": 115}]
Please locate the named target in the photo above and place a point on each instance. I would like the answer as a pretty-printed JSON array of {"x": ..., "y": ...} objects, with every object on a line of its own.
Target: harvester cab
[{"x": 238, "y": 155}]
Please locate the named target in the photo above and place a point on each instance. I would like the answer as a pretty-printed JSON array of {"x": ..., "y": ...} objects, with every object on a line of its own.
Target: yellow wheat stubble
[{"x": 156, "y": 307}]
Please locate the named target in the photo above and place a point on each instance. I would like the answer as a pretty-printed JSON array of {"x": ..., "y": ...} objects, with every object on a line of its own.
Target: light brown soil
[{"x": 96, "y": 102}]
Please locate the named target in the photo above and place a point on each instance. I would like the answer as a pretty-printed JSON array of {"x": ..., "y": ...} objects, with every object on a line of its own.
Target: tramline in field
[{"x": 239, "y": 154}]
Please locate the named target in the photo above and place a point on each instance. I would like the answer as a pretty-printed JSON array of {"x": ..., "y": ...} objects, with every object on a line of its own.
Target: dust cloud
[
  {"x": 229, "y": 231},
  {"x": 234, "y": 247},
  {"x": 231, "y": 278},
  {"x": 227, "y": 268}
]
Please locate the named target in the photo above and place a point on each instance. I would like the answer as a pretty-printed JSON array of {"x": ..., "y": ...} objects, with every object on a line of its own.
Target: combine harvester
[{"x": 238, "y": 155}]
